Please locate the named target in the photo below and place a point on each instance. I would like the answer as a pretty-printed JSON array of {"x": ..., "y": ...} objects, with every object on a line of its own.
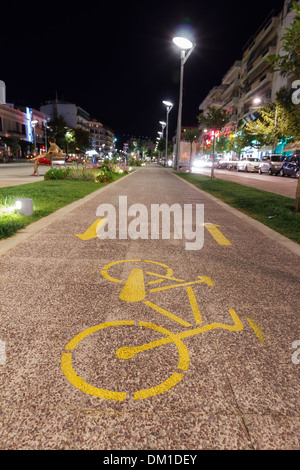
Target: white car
[{"x": 248, "y": 164}]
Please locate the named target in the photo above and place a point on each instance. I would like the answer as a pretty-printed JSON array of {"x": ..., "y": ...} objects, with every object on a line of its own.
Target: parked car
[
  {"x": 44, "y": 161},
  {"x": 248, "y": 164},
  {"x": 271, "y": 164},
  {"x": 291, "y": 166}
]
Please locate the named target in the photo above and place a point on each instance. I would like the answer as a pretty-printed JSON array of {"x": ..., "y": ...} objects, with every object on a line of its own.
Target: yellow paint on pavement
[
  {"x": 217, "y": 234},
  {"x": 194, "y": 305},
  {"x": 92, "y": 231},
  {"x": 202, "y": 279},
  {"x": 161, "y": 388},
  {"x": 134, "y": 288},
  {"x": 257, "y": 330},
  {"x": 167, "y": 314}
]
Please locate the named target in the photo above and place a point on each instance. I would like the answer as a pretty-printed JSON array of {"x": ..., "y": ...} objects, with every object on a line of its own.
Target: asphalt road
[
  {"x": 275, "y": 184},
  {"x": 124, "y": 343}
]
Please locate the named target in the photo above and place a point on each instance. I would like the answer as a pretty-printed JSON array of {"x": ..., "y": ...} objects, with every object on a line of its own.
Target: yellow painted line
[
  {"x": 78, "y": 382},
  {"x": 202, "y": 279},
  {"x": 161, "y": 388},
  {"x": 257, "y": 330},
  {"x": 129, "y": 352},
  {"x": 167, "y": 314},
  {"x": 169, "y": 270},
  {"x": 194, "y": 305},
  {"x": 164, "y": 277},
  {"x": 134, "y": 288},
  {"x": 92, "y": 231},
  {"x": 157, "y": 281},
  {"x": 217, "y": 234}
]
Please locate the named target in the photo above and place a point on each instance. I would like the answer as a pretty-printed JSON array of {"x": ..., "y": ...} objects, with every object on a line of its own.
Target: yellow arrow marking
[
  {"x": 134, "y": 288},
  {"x": 257, "y": 330},
  {"x": 217, "y": 234},
  {"x": 92, "y": 231}
]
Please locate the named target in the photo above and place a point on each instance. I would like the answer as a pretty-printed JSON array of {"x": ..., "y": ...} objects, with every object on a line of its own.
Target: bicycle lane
[{"x": 217, "y": 371}]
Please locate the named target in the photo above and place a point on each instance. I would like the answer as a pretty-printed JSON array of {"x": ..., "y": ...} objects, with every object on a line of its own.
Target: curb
[
  {"x": 34, "y": 227},
  {"x": 269, "y": 232}
]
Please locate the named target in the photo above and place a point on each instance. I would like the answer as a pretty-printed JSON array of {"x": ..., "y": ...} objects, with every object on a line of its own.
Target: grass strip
[
  {"x": 273, "y": 210},
  {"x": 47, "y": 196}
]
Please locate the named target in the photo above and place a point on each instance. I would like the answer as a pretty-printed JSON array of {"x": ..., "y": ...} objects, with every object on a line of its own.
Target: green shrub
[{"x": 57, "y": 173}]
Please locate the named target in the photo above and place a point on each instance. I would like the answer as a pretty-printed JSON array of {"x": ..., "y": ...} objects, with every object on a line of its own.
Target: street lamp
[
  {"x": 185, "y": 45},
  {"x": 169, "y": 106}
]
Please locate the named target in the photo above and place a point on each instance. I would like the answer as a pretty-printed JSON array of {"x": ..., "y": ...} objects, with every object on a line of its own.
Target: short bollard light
[{"x": 24, "y": 206}]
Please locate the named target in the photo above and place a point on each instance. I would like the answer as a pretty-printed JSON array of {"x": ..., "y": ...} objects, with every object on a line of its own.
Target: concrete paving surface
[{"x": 141, "y": 344}]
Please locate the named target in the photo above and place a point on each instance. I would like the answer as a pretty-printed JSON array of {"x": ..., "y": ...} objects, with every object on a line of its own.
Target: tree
[
  {"x": 215, "y": 120},
  {"x": 271, "y": 126},
  {"x": 242, "y": 139},
  {"x": 58, "y": 131},
  {"x": 82, "y": 139},
  {"x": 191, "y": 135}
]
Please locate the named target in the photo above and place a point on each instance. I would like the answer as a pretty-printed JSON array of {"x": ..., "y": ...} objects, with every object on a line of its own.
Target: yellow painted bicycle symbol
[{"x": 134, "y": 290}]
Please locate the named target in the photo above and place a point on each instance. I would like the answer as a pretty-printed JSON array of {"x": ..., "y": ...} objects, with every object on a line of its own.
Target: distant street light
[
  {"x": 184, "y": 44},
  {"x": 169, "y": 106}
]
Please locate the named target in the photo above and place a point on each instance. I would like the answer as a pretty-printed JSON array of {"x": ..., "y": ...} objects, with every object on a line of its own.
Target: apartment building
[
  {"x": 252, "y": 77},
  {"x": 226, "y": 95},
  {"x": 74, "y": 115},
  {"x": 98, "y": 138}
]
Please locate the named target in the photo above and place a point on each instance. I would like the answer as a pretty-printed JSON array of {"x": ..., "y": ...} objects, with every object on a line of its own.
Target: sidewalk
[
  {"x": 220, "y": 389},
  {"x": 12, "y": 174}
]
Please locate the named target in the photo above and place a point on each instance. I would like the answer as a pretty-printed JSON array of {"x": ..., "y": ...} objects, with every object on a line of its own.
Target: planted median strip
[{"x": 273, "y": 210}]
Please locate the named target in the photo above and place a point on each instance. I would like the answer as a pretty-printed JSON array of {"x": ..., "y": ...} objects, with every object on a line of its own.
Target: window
[{"x": 263, "y": 77}]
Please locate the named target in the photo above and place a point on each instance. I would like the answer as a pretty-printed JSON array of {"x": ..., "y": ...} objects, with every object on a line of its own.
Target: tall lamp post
[
  {"x": 169, "y": 106},
  {"x": 185, "y": 45},
  {"x": 163, "y": 125}
]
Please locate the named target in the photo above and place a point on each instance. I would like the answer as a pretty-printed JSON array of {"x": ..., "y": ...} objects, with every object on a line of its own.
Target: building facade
[{"x": 251, "y": 79}]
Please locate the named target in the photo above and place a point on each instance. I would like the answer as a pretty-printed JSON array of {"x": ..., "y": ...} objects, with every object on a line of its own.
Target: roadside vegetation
[
  {"x": 274, "y": 211},
  {"x": 59, "y": 188}
]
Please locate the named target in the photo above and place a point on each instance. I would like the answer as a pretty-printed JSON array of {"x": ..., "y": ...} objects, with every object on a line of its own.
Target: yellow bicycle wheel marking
[
  {"x": 110, "y": 278},
  {"x": 161, "y": 388},
  {"x": 119, "y": 281},
  {"x": 79, "y": 383}
]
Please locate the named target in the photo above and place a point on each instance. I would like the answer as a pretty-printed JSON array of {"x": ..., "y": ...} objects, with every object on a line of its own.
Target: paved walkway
[
  {"x": 141, "y": 344},
  {"x": 13, "y": 174}
]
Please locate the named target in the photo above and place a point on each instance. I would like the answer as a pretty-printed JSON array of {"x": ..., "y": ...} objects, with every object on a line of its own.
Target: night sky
[{"x": 117, "y": 60}]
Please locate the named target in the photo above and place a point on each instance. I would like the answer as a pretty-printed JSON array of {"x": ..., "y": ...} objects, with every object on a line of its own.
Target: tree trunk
[
  {"x": 297, "y": 206},
  {"x": 191, "y": 157},
  {"x": 213, "y": 162}
]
